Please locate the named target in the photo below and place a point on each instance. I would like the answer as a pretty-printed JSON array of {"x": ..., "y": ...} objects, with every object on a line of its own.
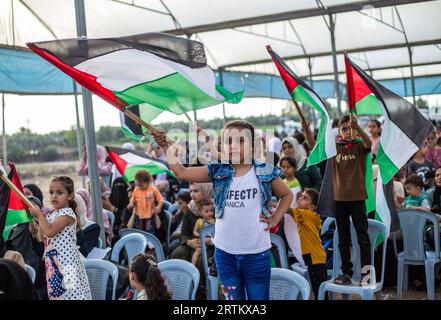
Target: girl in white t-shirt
[{"x": 243, "y": 187}]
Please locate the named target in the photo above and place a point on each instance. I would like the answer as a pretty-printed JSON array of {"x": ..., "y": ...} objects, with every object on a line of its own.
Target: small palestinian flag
[
  {"x": 404, "y": 128},
  {"x": 133, "y": 130},
  {"x": 128, "y": 162},
  {"x": 165, "y": 71},
  {"x": 16, "y": 210},
  {"x": 325, "y": 144}
]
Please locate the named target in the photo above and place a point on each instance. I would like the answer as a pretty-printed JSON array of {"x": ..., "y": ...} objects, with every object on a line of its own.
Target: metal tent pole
[
  {"x": 221, "y": 78},
  {"x": 334, "y": 62},
  {"x": 5, "y": 150},
  {"x": 89, "y": 128},
  {"x": 314, "y": 118},
  {"x": 412, "y": 78},
  {"x": 78, "y": 131}
]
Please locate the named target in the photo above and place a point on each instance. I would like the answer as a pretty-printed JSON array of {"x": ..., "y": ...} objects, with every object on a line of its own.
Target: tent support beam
[
  {"x": 328, "y": 53},
  {"x": 297, "y": 14},
  {"x": 89, "y": 127},
  {"x": 334, "y": 62}
]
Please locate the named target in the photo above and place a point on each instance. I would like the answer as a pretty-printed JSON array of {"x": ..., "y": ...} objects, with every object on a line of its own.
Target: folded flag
[
  {"x": 134, "y": 130},
  {"x": 165, "y": 71},
  {"x": 325, "y": 143},
  {"x": 404, "y": 127},
  {"x": 128, "y": 162},
  {"x": 12, "y": 209}
]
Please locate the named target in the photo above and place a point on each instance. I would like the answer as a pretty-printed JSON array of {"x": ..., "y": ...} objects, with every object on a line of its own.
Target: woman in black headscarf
[
  {"x": 15, "y": 283},
  {"x": 117, "y": 203}
]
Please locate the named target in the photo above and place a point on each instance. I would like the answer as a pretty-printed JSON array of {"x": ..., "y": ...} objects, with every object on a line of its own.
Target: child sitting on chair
[
  {"x": 206, "y": 219},
  {"x": 416, "y": 198}
]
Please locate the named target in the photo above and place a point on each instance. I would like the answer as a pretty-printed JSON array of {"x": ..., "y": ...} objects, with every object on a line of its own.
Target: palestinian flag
[
  {"x": 325, "y": 144},
  {"x": 128, "y": 162},
  {"x": 361, "y": 99},
  {"x": 165, "y": 71},
  {"x": 133, "y": 130},
  {"x": 404, "y": 127},
  {"x": 16, "y": 210}
]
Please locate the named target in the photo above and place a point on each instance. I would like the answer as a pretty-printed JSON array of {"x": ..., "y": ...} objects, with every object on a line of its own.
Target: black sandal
[{"x": 343, "y": 279}]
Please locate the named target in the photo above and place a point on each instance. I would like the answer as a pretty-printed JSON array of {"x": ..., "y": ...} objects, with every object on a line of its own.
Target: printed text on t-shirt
[{"x": 235, "y": 197}]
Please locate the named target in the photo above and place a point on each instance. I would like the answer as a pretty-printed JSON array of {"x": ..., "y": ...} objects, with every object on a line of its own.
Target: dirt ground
[{"x": 41, "y": 174}]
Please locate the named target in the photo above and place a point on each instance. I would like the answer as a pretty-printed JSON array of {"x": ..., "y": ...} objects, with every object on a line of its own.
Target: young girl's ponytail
[{"x": 147, "y": 272}]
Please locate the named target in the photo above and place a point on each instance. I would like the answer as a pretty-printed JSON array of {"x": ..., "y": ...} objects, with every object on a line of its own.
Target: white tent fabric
[{"x": 375, "y": 33}]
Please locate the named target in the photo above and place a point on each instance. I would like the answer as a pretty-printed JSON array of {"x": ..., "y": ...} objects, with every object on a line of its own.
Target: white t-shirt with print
[{"x": 239, "y": 230}]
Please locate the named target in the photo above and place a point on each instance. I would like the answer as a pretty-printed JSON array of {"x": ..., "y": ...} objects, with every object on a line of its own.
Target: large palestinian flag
[
  {"x": 128, "y": 162},
  {"x": 168, "y": 72},
  {"x": 404, "y": 127},
  {"x": 12, "y": 209},
  {"x": 301, "y": 92}
]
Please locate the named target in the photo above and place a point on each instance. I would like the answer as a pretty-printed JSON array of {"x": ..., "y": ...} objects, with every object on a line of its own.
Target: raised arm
[
  {"x": 367, "y": 143},
  {"x": 191, "y": 174}
]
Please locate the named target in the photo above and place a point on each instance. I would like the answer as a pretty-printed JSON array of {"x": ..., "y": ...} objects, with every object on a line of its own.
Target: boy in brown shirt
[{"x": 349, "y": 172}]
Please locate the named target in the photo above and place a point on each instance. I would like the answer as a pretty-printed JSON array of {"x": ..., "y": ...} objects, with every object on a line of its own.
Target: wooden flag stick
[
  {"x": 299, "y": 111},
  {"x": 350, "y": 123},
  {"x": 146, "y": 125},
  {"x": 16, "y": 190}
]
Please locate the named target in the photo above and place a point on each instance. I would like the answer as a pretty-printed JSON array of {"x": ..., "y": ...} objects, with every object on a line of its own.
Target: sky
[{"x": 44, "y": 114}]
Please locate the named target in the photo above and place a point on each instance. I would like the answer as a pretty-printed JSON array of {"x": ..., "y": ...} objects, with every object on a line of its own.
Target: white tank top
[{"x": 239, "y": 230}]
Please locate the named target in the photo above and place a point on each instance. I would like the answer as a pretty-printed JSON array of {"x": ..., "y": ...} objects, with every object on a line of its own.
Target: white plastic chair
[
  {"x": 133, "y": 245},
  {"x": 211, "y": 282},
  {"x": 169, "y": 221},
  {"x": 151, "y": 239},
  {"x": 375, "y": 229},
  {"x": 413, "y": 223},
  {"x": 278, "y": 242},
  {"x": 31, "y": 272},
  {"x": 288, "y": 285},
  {"x": 98, "y": 272},
  {"x": 182, "y": 278}
]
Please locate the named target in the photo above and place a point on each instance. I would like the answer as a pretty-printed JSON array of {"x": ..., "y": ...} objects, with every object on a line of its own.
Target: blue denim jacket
[{"x": 222, "y": 173}]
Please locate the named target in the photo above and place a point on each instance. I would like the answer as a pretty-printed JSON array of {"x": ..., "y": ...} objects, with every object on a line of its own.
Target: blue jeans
[{"x": 250, "y": 272}]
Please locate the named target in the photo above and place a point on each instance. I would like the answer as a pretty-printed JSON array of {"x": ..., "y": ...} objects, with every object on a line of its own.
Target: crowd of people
[{"x": 246, "y": 199}]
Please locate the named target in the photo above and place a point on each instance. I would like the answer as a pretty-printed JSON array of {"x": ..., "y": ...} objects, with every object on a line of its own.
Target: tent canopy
[{"x": 376, "y": 34}]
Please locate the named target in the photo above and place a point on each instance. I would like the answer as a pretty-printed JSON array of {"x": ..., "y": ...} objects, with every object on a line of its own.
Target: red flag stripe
[
  {"x": 119, "y": 162},
  {"x": 15, "y": 201},
  {"x": 290, "y": 82},
  {"x": 86, "y": 80},
  {"x": 356, "y": 88}
]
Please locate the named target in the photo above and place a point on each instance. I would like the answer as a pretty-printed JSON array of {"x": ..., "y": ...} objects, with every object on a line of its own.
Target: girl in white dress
[{"x": 65, "y": 272}]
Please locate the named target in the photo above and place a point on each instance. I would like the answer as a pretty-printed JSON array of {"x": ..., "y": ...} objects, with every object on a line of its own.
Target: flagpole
[
  {"x": 5, "y": 152},
  {"x": 16, "y": 190},
  {"x": 302, "y": 117}
]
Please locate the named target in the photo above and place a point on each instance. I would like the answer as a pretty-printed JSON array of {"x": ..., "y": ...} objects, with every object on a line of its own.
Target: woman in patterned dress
[{"x": 65, "y": 272}]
